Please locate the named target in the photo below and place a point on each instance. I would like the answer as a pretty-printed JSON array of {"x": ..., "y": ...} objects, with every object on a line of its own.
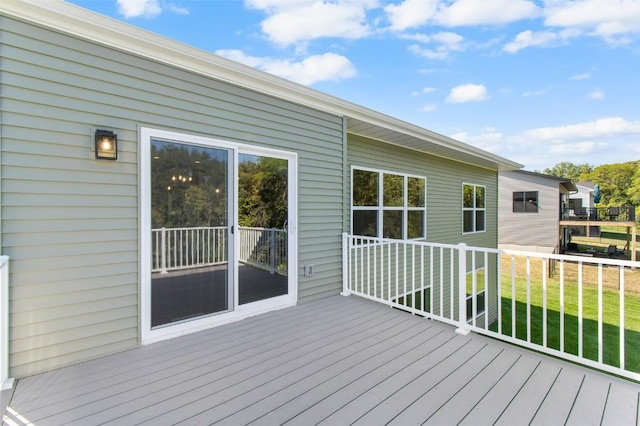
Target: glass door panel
[
  {"x": 190, "y": 198},
  {"x": 262, "y": 218}
]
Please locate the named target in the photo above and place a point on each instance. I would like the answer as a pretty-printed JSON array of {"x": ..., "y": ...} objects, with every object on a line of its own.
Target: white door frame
[{"x": 237, "y": 312}]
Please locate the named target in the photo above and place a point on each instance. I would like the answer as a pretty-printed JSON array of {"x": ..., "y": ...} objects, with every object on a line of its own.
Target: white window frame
[
  {"x": 474, "y": 209},
  {"x": 381, "y": 208},
  {"x": 147, "y": 333}
]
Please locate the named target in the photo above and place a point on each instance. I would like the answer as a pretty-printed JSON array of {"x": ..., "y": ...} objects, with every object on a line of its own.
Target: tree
[
  {"x": 263, "y": 192},
  {"x": 575, "y": 172},
  {"x": 616, "y": 183},
  {"x": 619, "y": 183},
  {"x": 634, "y": 190}
]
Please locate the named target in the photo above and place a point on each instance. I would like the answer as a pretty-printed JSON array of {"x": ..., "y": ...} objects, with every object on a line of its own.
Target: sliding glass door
[
  {"x": 263, "y": 218},
  {"x": 216, "y": 232},
  {"x": 190, "y": 234}
]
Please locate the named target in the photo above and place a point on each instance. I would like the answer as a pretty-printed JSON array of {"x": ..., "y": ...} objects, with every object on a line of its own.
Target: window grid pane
[
  {"x": 479, "y": 197},
  {"x": 365, "y": 222},
  {"x": 392, "y": 226},
  {"x": 365, "y": 188},
  {"x": 468, "y": 196},
  {"x": 416, "y": 193},
  {"x": 415, "y": 224},
  {"x": 393, "y": 190}
]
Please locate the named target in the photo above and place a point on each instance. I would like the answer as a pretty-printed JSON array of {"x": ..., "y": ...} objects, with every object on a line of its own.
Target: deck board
[
  {"x": 188, "y": 382},
  {"x": 590, "y": 403},
  {"x": 491, "y": 406},
  {"x": 339, "y": 360},
  {"x": 559, "y": 401}
]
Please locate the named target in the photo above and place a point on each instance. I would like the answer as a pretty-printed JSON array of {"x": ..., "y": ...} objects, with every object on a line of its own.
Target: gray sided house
[
  {"x": 529, "y": 211},
  {"x": 226, "y": 197}
]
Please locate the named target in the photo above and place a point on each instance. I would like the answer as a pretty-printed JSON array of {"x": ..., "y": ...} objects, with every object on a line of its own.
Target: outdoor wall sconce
[{"x": 106, "y": 145}]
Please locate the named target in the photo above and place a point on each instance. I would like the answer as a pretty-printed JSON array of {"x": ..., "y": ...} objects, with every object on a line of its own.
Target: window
[
  {"x": 473, "y": 208},
  {"x": 388, "y": 204},
  {"x": 525, "y": 202}
]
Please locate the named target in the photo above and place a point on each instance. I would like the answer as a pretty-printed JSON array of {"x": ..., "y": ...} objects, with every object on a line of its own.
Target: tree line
[{"x": 619, "y": 183}]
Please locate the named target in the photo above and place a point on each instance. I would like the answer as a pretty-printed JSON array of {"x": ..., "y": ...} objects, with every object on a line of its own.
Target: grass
[
  {"x": 609, "y": 235},
  {"x": 611, "y": 317},
  {"x": 590, "y": 339}
]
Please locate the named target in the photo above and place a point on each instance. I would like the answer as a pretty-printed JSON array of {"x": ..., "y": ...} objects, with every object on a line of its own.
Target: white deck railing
[
  {"x": 264, "y": 248},
  {"x": 582, "y": 309},
  {"x": 5, "y": 381},
  {"x": 196, "y": 247}
]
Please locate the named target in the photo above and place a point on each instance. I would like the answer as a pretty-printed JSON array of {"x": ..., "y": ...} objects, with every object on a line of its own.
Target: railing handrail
[
  {"x": 599, "y": 214},
  {"x": 394, "y": 272},
  {"x": 5, "y": 381},
  {"x": 182, "y": 248}
]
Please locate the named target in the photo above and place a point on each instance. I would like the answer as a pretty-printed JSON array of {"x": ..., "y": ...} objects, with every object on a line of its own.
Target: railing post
[
  {"x": 346, "y": 265},
  {"x": 272, "y": 249},
  {"x": 463, "y": 328},
  {"x": 5, "y": 381},
  {"x": 163, "y": 250}
]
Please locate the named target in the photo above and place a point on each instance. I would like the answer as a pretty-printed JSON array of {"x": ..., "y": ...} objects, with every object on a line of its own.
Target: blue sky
[{"x": 538, "y": 82}]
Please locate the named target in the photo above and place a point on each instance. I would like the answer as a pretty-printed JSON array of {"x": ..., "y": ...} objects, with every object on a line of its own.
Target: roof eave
[{"x": 83, "y": 23}]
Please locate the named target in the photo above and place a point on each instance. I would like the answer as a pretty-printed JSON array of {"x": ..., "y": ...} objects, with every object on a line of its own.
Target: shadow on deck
[{"x": 338, "y": 360}]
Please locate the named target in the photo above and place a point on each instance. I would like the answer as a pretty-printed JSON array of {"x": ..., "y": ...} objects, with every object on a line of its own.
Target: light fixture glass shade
[{"x": 106, "y": 145}]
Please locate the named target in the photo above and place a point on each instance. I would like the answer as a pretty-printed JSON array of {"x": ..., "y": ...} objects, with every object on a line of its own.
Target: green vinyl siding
[
  {"x": 444, "y": 194},
  {"x": 444, "y": 188},
  {"x": 70, "y": 222}
]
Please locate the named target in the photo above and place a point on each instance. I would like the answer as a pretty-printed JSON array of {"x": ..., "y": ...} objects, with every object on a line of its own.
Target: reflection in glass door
[
  {"x": 263, "y": 234},
  {"x": 190, "y": 198}
]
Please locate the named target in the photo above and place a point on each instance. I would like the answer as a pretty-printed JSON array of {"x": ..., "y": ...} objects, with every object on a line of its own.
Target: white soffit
[{"x": 65, "y": 17}]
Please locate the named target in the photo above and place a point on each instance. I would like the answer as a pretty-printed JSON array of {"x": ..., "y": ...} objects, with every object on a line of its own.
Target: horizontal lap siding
[
  {"x": 532, "y": 230},
  {"x": 444, "y": 187},
  {"x": 444, "y": 193},
  {"x": 70, "y": 223}
]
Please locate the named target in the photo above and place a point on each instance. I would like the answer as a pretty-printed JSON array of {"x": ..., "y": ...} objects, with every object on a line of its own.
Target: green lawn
[{"x": 611, "y": 320}]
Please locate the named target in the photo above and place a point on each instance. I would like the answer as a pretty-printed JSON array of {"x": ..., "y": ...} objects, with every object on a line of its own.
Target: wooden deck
[{"x": 336, "y": 361}]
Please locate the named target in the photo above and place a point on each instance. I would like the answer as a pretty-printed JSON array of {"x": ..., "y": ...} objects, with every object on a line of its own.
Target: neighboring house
[
  {"x": 100, "y": 242},
  {"x": 529, "y": 206},
  {"x": 581, "y": 204},
  {"x": 583, "y": 197}
]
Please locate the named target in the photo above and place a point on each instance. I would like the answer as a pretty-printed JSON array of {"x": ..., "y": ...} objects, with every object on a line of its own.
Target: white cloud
[
  {"x": 468, "y": 93},
  {"x": 606, "y": 18},
  {"x": 411, "y": 13},
  {"x": 488, "y": 139},
  {"x": 326, "y": 67},
  {"x": 178, "y": 10},
  {"x": 603, "y": 127},
  {"x": 416, "y": 13},
  {"x": 148, "y": 8},
  {"x": 604, "y": 141},
  {"x": 585, "y": 147},
  {"x": 424, "y": 91},
  {"x": 428, "y": 108},
  {"x": 487, "y": 12},
  {"x": 529, "y": 38},
  {"x": 444, "y": 43},
  {"x": 295, "y": 21},
  {"x": 596, "y": 95},
  {"x": 135, "y": 8},
  {"x": 582, "y": 76}
]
